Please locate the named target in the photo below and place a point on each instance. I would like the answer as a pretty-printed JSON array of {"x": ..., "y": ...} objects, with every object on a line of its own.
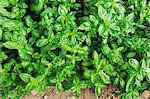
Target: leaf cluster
[{"x": 74, "y": 44}]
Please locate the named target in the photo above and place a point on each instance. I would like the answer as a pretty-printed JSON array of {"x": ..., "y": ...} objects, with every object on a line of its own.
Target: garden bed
[
  {"x": 74, "y": 45},
  {"x": 107, "y": 93}
]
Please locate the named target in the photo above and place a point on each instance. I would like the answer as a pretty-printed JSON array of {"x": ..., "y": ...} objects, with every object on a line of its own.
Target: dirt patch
[{"x": 107, "y": 93}]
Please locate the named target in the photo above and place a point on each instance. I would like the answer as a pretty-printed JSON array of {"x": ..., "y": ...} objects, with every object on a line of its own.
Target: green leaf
[
  {"x": 134, "y": 63},
  {"x": 59, "y": 87},
  {"x": 29, "y": 86},
  {"x": 11, "y": 45},
  {"x": 115, "y": 82},
  {"x": 23, "y": 54},
  {"x": 130, "y": 17},
  {"x": 85, "y": 26},
  {"x": 41, "y": 42},
  {"x": 13, "y": 2},
  {"x": 148, "y": 74},
  {"x": 102, "y": 12},
  {"x": 105, "y": 49},
  {"x": 135, "y": 94},
  {"x": 29, "y": 49},
  {"x": 122, "y": 83},
  {"x": 9, "y": 23},
  {"x": 62, "y": 10},
  {"x": 4, "y": 3},
  {"x": 99, "y": 3},
  {"x": 102, "y": 31},
  {"x": 143, "y": 2},
  {"x": 95, "y": 56},
  {"x": 4, "y": 12},
  {"x": 87, "y": 73},
  {"x": 29, "y": 21},
  {"x": 2, "y": 57},
  {"x": 37, "y": 6},
  {"x": 130, "y": 54},
  {"x": 88, "y": 41},
  {"x": 129, "y": 85},
  {"x": 120, "y": 8},
  {"x": 25, "y": 77},
  {"x": 104, "y": 77},
  {"x": 143, "y": 63},
  {"x": 93, "y": 19},
  {"x": 0, "y": 33},
  {"x": 97, "y": 91}
]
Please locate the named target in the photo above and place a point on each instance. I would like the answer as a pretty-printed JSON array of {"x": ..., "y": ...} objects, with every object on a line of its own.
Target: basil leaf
[
  {"x": 101, "y": 12},
  {"x": 62, "y": 10},
  {"x": 13, "y": 2},
  {"x": 85, "y": 26},
  {"x": 41, "y": 42},
  {"x": 25, "y": 77},
  {"x": 104, "y": 77},
  {"x": 11, "y": 45},
  {"x": 4, "y": 3},
  {"x": 98, "y": 91},
  {"x": 134, "y": 63},
  {"x": 59, "y": 87}
]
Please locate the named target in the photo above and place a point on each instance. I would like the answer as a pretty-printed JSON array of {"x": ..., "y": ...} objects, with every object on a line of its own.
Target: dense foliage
[{"x": 74, "y": 44}]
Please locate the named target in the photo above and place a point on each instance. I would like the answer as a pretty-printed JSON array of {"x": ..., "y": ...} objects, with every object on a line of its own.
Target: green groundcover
[{"x": 74, "y": 44}]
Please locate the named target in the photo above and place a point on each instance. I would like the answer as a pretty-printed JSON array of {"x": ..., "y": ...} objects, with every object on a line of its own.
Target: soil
[{"x": 107, "y": 93}]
